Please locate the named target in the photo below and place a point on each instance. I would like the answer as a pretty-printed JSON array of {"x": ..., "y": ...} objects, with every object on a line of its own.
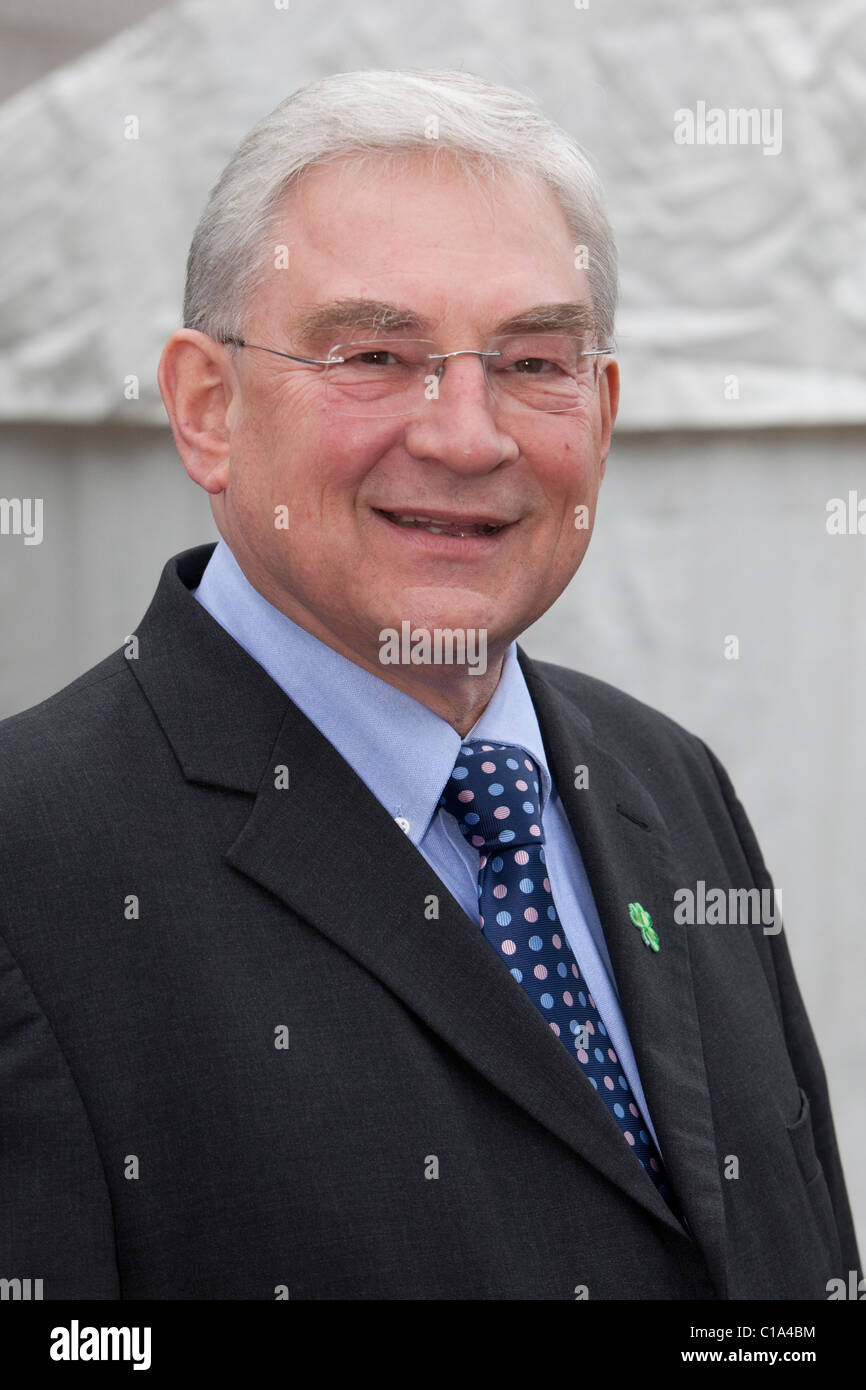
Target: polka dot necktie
[{"x": 493, "y": 795}]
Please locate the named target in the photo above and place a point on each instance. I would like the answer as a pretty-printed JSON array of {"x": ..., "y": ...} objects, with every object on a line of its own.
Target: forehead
[{"x": 453, "y": 245}]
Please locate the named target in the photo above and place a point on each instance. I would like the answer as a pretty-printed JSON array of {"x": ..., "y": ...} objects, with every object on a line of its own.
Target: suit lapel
[
  {"x": 629, "y": 857},
  {"x": 327, "y": 848}
]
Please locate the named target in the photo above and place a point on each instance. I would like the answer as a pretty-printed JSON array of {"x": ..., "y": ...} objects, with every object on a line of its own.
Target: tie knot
[{"x": 493, "y": 793}]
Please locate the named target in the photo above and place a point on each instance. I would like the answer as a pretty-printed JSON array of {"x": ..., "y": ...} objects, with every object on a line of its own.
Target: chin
[
  {"x": 451, "y": 608},
  {"x": 477, "y": 619}
]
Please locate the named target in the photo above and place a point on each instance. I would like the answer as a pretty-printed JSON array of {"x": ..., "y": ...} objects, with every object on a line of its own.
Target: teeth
[{"x": 437, "y": 529}]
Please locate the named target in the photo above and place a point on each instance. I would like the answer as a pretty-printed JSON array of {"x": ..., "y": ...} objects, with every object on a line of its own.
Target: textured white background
[{"x": 712, "y": 517}]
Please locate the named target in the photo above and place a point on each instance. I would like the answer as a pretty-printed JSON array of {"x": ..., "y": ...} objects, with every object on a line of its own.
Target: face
[{"x": 463, "y": 258}]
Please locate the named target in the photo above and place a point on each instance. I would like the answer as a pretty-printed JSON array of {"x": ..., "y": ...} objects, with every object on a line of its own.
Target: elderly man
[{"x": 343, "y": 958}]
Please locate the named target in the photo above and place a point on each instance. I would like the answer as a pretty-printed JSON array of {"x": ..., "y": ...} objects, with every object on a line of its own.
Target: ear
[
  {"x": 197, "y": 381},
  {"x": 608, "y": 392}
]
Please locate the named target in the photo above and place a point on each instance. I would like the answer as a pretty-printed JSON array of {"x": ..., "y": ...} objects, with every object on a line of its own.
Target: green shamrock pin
[{"x": 644, "y": 923}]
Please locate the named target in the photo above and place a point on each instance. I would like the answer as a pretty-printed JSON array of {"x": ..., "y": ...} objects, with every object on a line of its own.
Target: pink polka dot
[
  {"x": 487, "y": 747},
  {"x": 535, "y": 830},
  {"x": 530, "y": 914},
  {"x": 501, "y": 812},
  {"x": 611, "y": 1054},
  {"x": 478, "y": 841},
  {"x": 521, "y": 786},
  {"x": 592, "y": 1001},
  {"x": 521, "y": 857},
  {"x": 633, "y": 1108},
  {"x": 590, "y": 1028},
  {"x": 608, "y": 1083},
  {"x": 527, "y": 764},
  {"x": 540, "y": 972},
  {"x": 488, "y": 767},
  {"x": 465, "y": 796},
  {"x": 575, "y": 972},
  {"x": 508, "y": 948},
  {"x": 557, "y": 941},
  {"x": 555, "y": 1028},
  {"x": 629, "y": 1136},
  {"x": 581, "y": 1055},
  {"x": 499, "y": 892},
  {"x": 567, "y": 999},
  {"x": 546, "y": 882},
  {"x": 654, "y": 1164}
]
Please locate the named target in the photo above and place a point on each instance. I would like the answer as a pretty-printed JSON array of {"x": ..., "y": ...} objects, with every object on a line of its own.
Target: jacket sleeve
[
  {"x": 802, "y": 1047},
  {"x": 56, "y": 1219}
]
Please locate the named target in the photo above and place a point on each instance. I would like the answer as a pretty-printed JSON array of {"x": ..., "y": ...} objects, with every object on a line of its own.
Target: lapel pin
[{"x": 644, "y": 923}]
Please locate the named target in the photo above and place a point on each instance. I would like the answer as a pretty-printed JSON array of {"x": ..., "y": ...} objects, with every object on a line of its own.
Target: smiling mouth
[{"x": 444, "y": 526}]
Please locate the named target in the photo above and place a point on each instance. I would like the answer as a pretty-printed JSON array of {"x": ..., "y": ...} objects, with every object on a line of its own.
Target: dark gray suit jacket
[{"x": 157, "y": 1143}]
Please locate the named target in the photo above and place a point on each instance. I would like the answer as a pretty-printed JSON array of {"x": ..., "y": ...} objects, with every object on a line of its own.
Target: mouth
[{"x": 446, "y": 523}]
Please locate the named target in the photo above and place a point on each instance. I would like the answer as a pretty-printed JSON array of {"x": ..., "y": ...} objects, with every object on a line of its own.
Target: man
[{"x": 343, "y": 959}]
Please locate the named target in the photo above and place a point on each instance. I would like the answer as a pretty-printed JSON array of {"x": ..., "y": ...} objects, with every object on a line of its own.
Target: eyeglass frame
[{"x": 235, "y": 341}]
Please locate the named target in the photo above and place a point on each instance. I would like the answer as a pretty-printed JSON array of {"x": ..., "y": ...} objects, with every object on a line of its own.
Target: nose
[{"x": 457, "y": 424}]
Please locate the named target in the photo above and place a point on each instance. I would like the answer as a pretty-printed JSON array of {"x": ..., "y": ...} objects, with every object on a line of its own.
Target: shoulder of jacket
[
  {"x": 71, "y": 717},
  {"x": 612, "y": 711}
]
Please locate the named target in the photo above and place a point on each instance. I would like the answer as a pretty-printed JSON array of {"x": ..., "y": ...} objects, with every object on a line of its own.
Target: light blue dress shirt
[{"x": 381, "y": 731}]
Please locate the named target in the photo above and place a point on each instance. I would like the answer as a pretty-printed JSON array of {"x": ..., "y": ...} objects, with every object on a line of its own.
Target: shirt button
[{"x": 403, "y": 823}]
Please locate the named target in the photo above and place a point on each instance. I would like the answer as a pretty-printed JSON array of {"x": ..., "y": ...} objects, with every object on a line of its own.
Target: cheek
[
  {"x": 570, "y": 481},
  {"x": 280, "y": 445},
  {"x": 318, "y": 467},
  {"x": 327, "y": 456},
  {"x": 571, "y": 473}
]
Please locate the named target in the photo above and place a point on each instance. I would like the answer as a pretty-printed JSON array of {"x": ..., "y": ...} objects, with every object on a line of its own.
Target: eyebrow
[
  {"x": 376, "y": 316},
  {"x": 575, "y": 318}
]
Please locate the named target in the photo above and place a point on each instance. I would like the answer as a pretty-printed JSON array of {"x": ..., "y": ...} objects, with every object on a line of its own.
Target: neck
[
  {"x": 455, "y": 695},
  {"x": 457, "y": 692},
  {"x": 450, "y": 691}
]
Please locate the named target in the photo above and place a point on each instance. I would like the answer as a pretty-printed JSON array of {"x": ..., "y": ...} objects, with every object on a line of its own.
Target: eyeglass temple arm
[{"x": 292, "y": 357}]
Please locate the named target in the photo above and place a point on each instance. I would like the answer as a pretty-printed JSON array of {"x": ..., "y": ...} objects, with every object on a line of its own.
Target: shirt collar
[{"x": 380, "y": 731}]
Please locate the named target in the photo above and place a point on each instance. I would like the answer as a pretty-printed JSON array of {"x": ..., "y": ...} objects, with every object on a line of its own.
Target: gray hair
[{"x": 386, "y": 114}]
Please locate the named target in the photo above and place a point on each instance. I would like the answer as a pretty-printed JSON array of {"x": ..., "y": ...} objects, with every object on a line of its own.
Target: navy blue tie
[{"x": 493, "y": 795}]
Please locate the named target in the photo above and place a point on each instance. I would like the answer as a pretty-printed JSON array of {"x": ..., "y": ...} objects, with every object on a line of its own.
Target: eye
[
  {"x": 534, "y": 366},
  {"x": 541, "y": 355},
  {"x": 379, "y": 357}
]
